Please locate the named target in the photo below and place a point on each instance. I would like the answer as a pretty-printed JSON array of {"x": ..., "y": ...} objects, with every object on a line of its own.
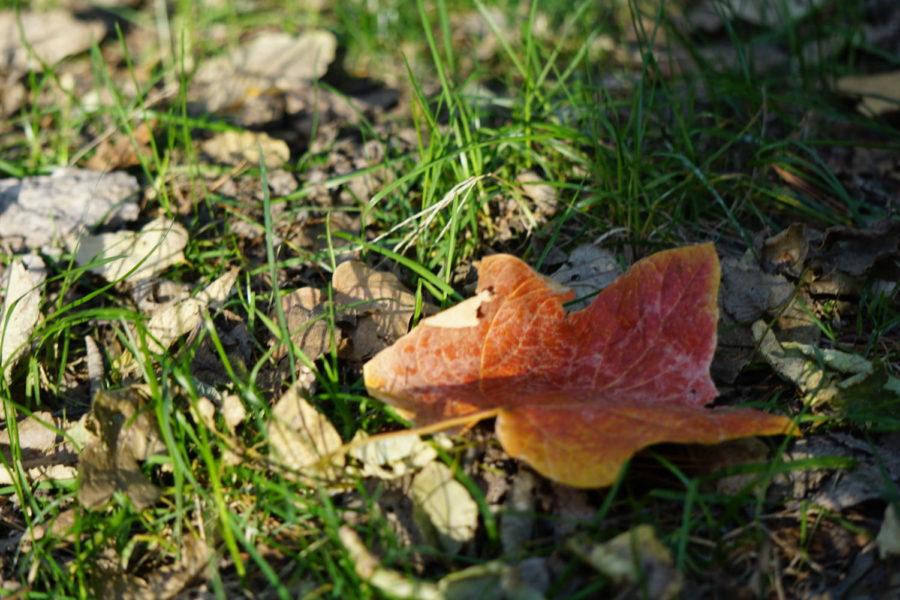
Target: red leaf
[{"x": 575, "y": 395}]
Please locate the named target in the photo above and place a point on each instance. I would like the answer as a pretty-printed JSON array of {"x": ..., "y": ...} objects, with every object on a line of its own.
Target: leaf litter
[
  {"x": 398, "y": 459},
  {"x": 554, "y": 381},
  {"x": 123, "y": 434}
]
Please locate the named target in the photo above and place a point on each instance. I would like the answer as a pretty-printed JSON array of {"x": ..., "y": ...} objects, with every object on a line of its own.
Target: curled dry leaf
[
  {"x": 820, "y": 373},
  {"x": 634, "y": 558},
  {"x": 575, "y": 395},
  {"x": 446, "y": 505},
  {"x": 41, "y": 210},
  {"x": 21, "y": 309},
  {"x": 125, "y": 433},
  {"x": 302, "y": 440},
  {"x": 133, "y": 255},
  {"x": 245, "y": 147},
  {"x": 392, "y": 456},
  {"x": 174, "y": 320}
]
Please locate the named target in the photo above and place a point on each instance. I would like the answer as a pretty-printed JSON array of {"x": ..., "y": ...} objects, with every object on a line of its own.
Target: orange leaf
[{"x": 575, "y": 395}]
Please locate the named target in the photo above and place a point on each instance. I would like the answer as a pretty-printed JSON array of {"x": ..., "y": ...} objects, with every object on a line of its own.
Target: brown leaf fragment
[
  {"x": 879, "y": 92},
  {"x": 59, "y": 526},
  {"x": 786, "y": 251},
  {"x": 45, "y": 456},
  {"x": 855, "y": 252},
  {"x": 174, "y": 320},
  {"x": 125, "y": 434},
  {"x": 49, "y": 37},
  {"x": 303, "y": 440},
  {"x": 245, "y": 147},
  {"x": 133, "y": 255},
  {"x": 94, "y": 361},
  {"x": 383, "y": 305},
  {"x": 635, "y": 560},
  {"x": 250, "y": 82},
  {"x": 122, "y": 150},
  {"x": 748, "y": 293},
  {"x": 307, "y": 323},
  {"x": 734, "y": 453}
]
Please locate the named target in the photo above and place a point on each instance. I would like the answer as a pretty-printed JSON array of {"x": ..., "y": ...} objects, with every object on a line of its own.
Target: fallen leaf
[
  {"x": 302, "y": 440},
  {"x": 122, "y": 149},
  {"x": 250, "y": 82},
  {"x": 49, "y": 37},
  {"x": 60, "y": 526},
  {"x": 381, "y": 302},
  {"x": 856, "y": 252},
  {"x": 45, "y": 457},
  {"x": 634, "y": 558},
  {"x": 531, "y": 205},
  {"x": 304, "y": 310},
  {"x": 786, "y": 251},
  {"x": 12, "y": 93},
  {"x": 233, "y": 411},
  {"x": 576, "y": 395},
  {"x": 820, "y": 373},
  {"x": 174, "y": 320},
  {"x": 21, "y": 309},
  {"x": 125, "y": 434},
  {"x": 41, "y": 210},
  {"x": 888, "y": 539},
  {"x": 391, "y": 456},
  {"x": 244, "y": 147},
  {"x": 880, "y": 92},
  {"x": 446, "y": 505},
  {"x": 748, "y": 293},
  {"x": 133, "y": 255}
]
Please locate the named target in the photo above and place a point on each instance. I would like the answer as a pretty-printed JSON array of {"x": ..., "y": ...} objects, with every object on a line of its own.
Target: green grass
[{"x": 667, "y": 159}]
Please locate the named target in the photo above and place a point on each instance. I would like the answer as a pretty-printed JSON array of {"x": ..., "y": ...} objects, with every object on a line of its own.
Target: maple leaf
[{"x": 577, "y": 394}]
